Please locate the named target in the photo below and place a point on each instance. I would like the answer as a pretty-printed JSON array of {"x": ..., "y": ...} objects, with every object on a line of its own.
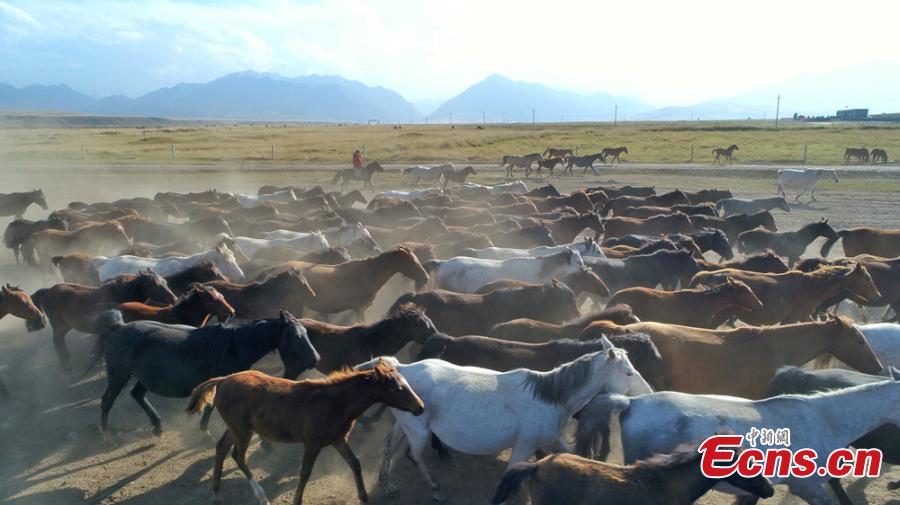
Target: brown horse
[
  {"x": 874, "y": 241},
  {"x": 660, "y": 224},
  {"x": 791, "y": 244},
  {"x": 879, "y": 155},
  {"x": 708, "y": 195},
  {"x": 101, "y": 238},
  {"x": 792, "y": 296},
  {"x": 344, "y": 346},
  {"x": 582, "y": 281},
  {"x": 706, "y": 209},
  {"x": 556, "y": 152},
  {"x": 193, "y": 309},
  {"x": 18, "y": 231},
  {"x": 617, "y": 205},
  {"x": 76, "y": 268},
  {"x": 179, "y": 283},
  {"x": 549, "y": 163},
  {"x": 354, "y": 284},
  {"x": 358, "y": 174},
  {"x": 346, "y": 200},
  {"x": 860, "y": 153},
  {"x": 566, "y": 229},
  {"x": 740, "y": 362},
  {"x": 689, "y": 307},
  {"x": 669, "y": 479},
  {"x": 578, "y": 200},
  {"x": 16, "y": 302},
  {"x": 533, "y": 331},
  {"x": 724, "y": 154},
  {"x": 767, "y": 262},
  {"x": 15, "y": 204},
  {"x": 735, "y": 224},
  {"x": 457, "y": 176},
  {"x": 286, "y": 289},
  {"x": 613, "y": 153},
  {"x": 315, "y": 412},
  {"x": 68, "y": 306}
]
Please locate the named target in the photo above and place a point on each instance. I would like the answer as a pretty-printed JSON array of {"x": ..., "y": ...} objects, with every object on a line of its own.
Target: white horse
[
  {"x": 805, "y": 179},
  {"x": 586, "y": 248},
  {"x": 221, "y": 256},
  {"x": 408, "y": 195},
  {"x": 336, "y": 237},
  {"x": 466, "y": 275},
  {"x": 507, "y": 187},
  {"x": 249, "y": 201},
  {"x": 304, "y": 242},
  {"x": 429, "y": 174},
  {"x": 483, "y": 412},
  {"x": 884, "y": 339},
  {"x": 657, "y": 423}
]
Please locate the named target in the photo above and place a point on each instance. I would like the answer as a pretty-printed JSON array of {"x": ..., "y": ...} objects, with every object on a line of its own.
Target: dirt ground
[{"x": 52, "y": 453}]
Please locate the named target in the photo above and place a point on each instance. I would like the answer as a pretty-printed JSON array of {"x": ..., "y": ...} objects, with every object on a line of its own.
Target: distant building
[
  {"x": 893, "y": 117},
  {"x": 853, "y": 114}
]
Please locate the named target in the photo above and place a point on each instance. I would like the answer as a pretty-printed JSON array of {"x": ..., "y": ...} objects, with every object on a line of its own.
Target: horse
[
  {"x": 466, "y": 275},
  {"x": 731, "y": 206},
  {"x": 614, "y": 153},
  {"x": 549, "y": 163},
  {"x": 15, "y": 204},
  {"x": 578, "y": 200},
  {"x": 15, "y": 302},
  {"x": 344, "y": 346},
  {"x": 584, "y": 161},
  {"x": 586, "y": 247},
  {"x": 646, "y": 270},
  {"x": 705, "y": 209},
  {"x": 767, "y": 262},
  {"x": 18, "y": 231},
  {"x": 194, "y": 308},
  {"x": 884, "y": 338},
  {"x": 304, "y": 242},
  {"x": 688, "y": 307},
  {"x": 533, "y": 331},
  {"x": 220, "y": 256},
  {"x": 346, "y": 200},
  {"x": 864, "y": 240},
  {"x": 314, "y": 412},
  {"x": 556, "y": 152},
  {"x": 428, "y": 174},
  {"x": 806, "y": 291},
  {"x": 582, "y": 281},
  {"x": 171, "y": 360},
  {"x": 357, "y": 174},
  {"x": 618, "y": 204},
  {"x": 467, "y": 314},
  {"x": 97, "y": 238},
  {"x": 879, "y": 154},
  {"x": 724, "y": 154},
  {"x": 659, "y": 422},
  {"x": 505, "y": 355},
  {"x": 627, "y": 190},
  {"x": 180, "y": 282},
  {"x": 711, "y": 239},
  {"x": 860, "y": 153},
  {"x": 736, "y": 224},
  {"x": 68, "y": 306},
  {"x": 457, "y": 176},
  {"x": 664, "y": 479},
  {"x": 805, "y": 179},
  {"x": 287, "y": 289},
  {"x": 250, "y": 201},
  {"x": 655, "y": 225},
  {"x": 791, "y": 244},
  {"x": 354, "y": 284},
  {"x": 521, "y": 409},
  {"x": 532, "y": 236},
  {"x": 511, "y": 162},
  {"x": 741, "y": 361}
]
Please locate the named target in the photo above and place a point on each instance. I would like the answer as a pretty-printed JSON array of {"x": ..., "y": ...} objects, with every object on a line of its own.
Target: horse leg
[
  {"x": 813, "y": 193},
  {"x": 391, "y": 444},
  {"x": 139, "y": 393},
  {"x": 239, "y": 454},
  {"x": 59, "y": 343},
  {"x": 222, "y": 448},
  {"x": 417, "y": 443},
  {"x": 115, "y": 382},
  {"x": 344, "y": 450},
  {"x": 204, "y": 421},
  {"x": 839, "y": 492},
  {"x": 310, "y": 453}
]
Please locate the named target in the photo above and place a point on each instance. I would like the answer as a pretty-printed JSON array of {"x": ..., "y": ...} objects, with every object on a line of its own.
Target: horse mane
[
  {"x": 382, "y": 371},
  {"x": 557, "y": 385},
  {"x": 620, "y": 312},
  {"x": 684, "y": 454}
]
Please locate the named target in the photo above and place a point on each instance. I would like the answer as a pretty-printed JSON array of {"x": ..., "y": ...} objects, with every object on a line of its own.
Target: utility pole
[
  {"x": 616, "y": 116},
  {"x": 777, "y": 109}
]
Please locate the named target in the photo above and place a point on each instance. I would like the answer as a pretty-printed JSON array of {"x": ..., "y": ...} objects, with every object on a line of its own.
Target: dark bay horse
[
  {"x": 261, "y": 300},
  {"x": 15, "y": 204},
  {"x": 735, "y": 224},
  {"x": 613, "y": 153},
  {"x": 661, "y": 267},
  {"x": 357, "y": 174},
  {"x": 584, "y": 161},
  {"x": 68, "y": 306},
  {"x": 860, "y": 153},
  {"x": 174, "y": 359},
  {"x": 879, "y": 155},
  {"x": 314, "y": 412}
]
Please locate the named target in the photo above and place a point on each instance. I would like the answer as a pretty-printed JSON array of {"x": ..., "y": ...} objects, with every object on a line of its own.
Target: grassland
[{"x": 648, "y": 143}]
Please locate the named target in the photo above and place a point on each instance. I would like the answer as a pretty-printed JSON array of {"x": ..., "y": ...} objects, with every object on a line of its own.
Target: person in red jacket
[{"x": 358, "y": 159}]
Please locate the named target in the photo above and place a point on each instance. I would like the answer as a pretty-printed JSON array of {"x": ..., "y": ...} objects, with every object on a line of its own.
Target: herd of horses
[
  {"x": 528, "y": 311},
  {"x": 863, "y": 155}
]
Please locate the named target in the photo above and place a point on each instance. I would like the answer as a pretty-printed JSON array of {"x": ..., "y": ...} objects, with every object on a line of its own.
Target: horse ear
[{"x": 612, "y": 354}]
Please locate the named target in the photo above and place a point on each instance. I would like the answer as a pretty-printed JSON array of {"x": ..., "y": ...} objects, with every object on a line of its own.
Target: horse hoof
[{"x": 158, "y": 431}]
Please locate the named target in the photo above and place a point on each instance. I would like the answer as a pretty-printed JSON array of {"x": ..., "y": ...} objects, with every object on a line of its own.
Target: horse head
[
  {"x": 861, "y": 285},
  {"x": 415, "y": 323},
  {"x": 393, "y": 389},
  {"x": 16, "y": 302},
  {"x": 227, "y": 263},
  {"x": 296, "y": 351},
  {"x": 210, "y": 301},
  {"x": 848, "y": 344},
  {"x": 149, "y": 286},
  {"x": 409, "y": 266},
  {"x": 38, "y": 197}
]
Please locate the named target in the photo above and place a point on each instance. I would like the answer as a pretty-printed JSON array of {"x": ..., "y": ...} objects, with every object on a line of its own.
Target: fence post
[
  {"x": 805, "y": 152},
  {"x": 173, "y": 151},
  {"x": 273, "y": 151},
  {"x": 692, "y": 153}
]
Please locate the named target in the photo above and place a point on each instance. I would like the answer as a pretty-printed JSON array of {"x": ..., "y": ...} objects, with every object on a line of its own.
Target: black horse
[
  {"x": 712, "y": 239},
  {"x": 171, "y": 360}
]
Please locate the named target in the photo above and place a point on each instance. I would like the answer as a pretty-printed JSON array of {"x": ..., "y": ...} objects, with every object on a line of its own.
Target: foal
[{"x": 315, "y": 412}]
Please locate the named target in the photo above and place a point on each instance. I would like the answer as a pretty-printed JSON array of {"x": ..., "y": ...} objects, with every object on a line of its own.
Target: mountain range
[{"x": 321, "y": 98}]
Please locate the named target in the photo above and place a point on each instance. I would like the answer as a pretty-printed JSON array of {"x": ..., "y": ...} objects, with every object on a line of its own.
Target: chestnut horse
[
  {"x": 16, "y": 302},
  {"x": 740, "y": 362},
  {"x": 667, "y": 479},
  {"x": 654, "y": 225},
  {"x": 696, "y": 307},
  {"x": 314, "y": 412},
  {"x": 792, "y": 296},
  {"x": 193, "y": 309},
  {"x": 533, "y": 331},
  {"x": 68, "y": 306},
  {"x": 874, "y": 241}
]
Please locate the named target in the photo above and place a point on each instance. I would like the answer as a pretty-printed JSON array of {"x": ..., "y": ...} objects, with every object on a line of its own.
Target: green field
[{"x": 648, "y": 143}]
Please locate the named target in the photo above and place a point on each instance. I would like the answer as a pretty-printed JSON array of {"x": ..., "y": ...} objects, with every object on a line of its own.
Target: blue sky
[{"x": 665, "y": 52}]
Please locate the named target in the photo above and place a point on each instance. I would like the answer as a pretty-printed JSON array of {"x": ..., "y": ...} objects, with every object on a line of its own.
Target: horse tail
[
  {"x": 434, "y": 346},
  {"x": 826, "y": 247},
  {"x": 594, "y": 420},
  {"x": 513, "y": 479},
  {"x": 337, "y": 177},
  {"x": 108, "y": 322},
  {"x": 203, "y": 395}
]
